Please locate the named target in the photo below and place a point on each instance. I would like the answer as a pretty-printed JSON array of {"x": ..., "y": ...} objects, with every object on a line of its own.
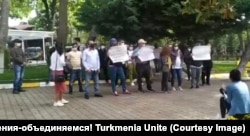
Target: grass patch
[
  {"x": 223, "y": 67},
  {"x": 32, "y": 74},
  {"x": 40, "y": 73}
]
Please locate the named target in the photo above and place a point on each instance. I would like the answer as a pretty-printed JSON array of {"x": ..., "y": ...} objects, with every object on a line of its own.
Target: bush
[
  {"x": 6, "y": 58},
  {"x": 245, "y": 117}
]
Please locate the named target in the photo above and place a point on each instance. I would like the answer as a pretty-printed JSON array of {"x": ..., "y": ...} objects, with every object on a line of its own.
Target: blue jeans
[
  {"x": 176, "y": 73},
  {"x": 88, "y": 76},
  {"x": 19, "y": 74},
  {"x": 75, "y": 74},
  {"x": 117, "y": 72}
]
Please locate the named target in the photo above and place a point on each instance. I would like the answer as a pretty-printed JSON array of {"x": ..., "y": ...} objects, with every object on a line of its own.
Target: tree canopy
[{"x": 153, "y": 20}]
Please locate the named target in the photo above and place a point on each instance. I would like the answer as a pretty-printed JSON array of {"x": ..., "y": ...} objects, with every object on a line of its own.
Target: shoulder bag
[{"x": 58, "y": 77}]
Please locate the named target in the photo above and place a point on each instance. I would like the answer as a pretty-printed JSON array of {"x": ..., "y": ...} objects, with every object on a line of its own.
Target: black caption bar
[{"x": 138, "y": 126}]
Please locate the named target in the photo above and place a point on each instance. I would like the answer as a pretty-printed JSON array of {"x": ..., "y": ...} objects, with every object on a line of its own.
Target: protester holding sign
[
  {"x": 117, "y": 54},
  {"x": 203, "y": 53},
  {"x": 124, "y": 65},
  {"x": 196, "y": 66},
  {"x": 142, "y": 55},
  {"x": 177, "y": 60}
]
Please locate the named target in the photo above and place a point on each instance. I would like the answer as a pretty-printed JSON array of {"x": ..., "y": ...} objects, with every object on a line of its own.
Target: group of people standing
[
  {"x": 173, "y": 60},
  {"x": 92, "y": 61}
]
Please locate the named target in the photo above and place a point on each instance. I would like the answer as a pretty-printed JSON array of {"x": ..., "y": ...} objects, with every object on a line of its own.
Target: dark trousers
[
  {"x": 176, "y": 73},
  {"x": 75, "y": 75},
  {"x": 143, "y": 70},
  {"x": 66, "y": 74},
  {"x": 224, "y": 107},
  {"x": 105, "y": 72},
  {"x": 205, "y": 76},
  {"x": 188, "y": 71},
  {"x": 164, "y": 81},
  {"x": 157, "y": 65}
]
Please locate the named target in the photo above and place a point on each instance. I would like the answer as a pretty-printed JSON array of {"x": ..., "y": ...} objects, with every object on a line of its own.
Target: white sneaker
[
  {"x": 64, "y": 101},
  {"x": 132, "y": 84},
  {"x": 135, "y": 80},
  {"x": 173, "y": 89},
  {"x": 58, "y": 104},
  {"x": 180, "y": 88}
]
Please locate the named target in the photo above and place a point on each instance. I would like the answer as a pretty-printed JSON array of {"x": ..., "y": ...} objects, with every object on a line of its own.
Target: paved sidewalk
[{"x": 37, "y": 103}]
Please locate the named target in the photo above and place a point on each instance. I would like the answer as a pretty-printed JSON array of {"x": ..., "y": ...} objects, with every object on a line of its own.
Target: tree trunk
[
  {"x": 4, "y": 22},
  {"x": 63, "y": 22},
  {"x": 50, "y": 12},
  {"x": 4, "y": 28},
  {"x": 92, "y": 34},
  {"x": 246, "y": 55},
  {"x": 241, "y": 41}
]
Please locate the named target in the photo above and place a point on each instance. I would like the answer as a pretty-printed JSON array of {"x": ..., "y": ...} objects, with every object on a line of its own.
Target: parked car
[{"x": 34, "y": 53}]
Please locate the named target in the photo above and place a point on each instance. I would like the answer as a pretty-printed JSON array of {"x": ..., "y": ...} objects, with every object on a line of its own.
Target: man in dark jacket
[
  {"x": 19, "y": 62},
  {"x": 103, "y": 61},
  {"x": 206, "y": 71},
  {"x": 196, "y": 67},
  {"x": 188, "y": 60}
]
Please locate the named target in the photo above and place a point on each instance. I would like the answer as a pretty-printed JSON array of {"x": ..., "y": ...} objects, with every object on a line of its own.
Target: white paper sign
[
  {"x": 201, "y": 52},
  {"x": 146, "y": 53},
  {"x": 118, "y": 53}
]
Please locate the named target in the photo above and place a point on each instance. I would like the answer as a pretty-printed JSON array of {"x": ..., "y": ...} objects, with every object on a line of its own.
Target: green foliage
[
  {"x": 21, "y": 8},
  {"x": 129, "y": 19},
  {"x": 207, "y": 9}
]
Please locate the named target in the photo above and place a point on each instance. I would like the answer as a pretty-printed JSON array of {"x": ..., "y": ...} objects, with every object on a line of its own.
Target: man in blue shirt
[{"x": 236, "y": 97}]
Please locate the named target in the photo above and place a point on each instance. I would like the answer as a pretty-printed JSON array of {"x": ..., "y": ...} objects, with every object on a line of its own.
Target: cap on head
[
  {"x": 18, "y": 44},
  {"x": 91, "y": 42},
  {"x": 112, "y": 41},
  {"x": 142, "y": 41}
]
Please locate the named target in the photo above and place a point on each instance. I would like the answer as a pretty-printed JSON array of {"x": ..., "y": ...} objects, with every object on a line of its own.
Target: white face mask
[
  {"x": 74, "y": 49},
  {"x": 130, "y": 48},
  {"x": 18, "y": 44},
  {"x": 102, "y": 47},
  {"x": 189, "y": 49},
  {"x": 176, "y": 48}
]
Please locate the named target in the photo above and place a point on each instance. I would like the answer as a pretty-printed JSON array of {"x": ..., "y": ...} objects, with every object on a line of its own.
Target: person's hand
[
  {"x": 222, "y": 91},
  {"x": 24, "y": 64},
  {"x": 88, "y": 70},
  {"x": 223, "y": 86}
]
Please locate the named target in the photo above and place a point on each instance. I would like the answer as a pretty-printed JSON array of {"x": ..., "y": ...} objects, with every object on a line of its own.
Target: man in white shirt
[{"x": 91, "y": 63}]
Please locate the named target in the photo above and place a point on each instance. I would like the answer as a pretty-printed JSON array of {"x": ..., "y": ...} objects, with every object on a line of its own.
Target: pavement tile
[{"x": 37, "y": 104}]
